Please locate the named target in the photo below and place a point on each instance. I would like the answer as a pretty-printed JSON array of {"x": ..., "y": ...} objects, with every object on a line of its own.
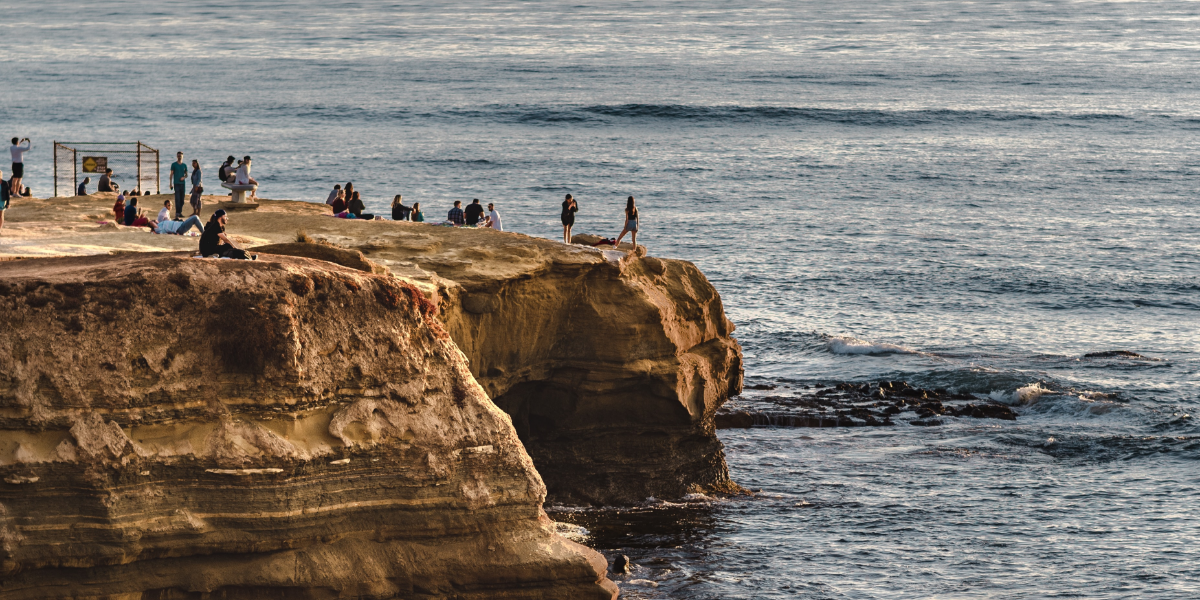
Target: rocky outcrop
[
  {"x": 182, "y": 428},
  {"x": 611, "y": 362}
]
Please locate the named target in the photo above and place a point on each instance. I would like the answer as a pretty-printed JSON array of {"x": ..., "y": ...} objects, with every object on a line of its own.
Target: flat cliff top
[{"x": 419, "y": 252}]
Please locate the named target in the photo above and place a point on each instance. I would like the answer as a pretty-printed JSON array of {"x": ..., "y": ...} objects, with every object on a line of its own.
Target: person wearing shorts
[
  {"x": 18, "y": 151},
  {"x": 631, "y": 224}
]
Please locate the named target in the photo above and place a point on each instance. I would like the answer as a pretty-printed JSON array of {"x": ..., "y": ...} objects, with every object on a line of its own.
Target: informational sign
[{"x": 95, "y": 164}]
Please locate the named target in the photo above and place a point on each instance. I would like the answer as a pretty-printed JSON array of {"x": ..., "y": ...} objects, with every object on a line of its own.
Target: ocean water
[{"x": 969, "y": 195}]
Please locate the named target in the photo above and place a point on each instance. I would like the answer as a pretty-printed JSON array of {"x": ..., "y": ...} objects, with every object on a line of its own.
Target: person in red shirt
[{"x": 119, "y": 209}]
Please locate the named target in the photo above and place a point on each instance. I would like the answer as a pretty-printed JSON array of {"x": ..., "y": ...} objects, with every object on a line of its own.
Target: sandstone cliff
[
  {"x": 174, "y": 428},
  {"x": 611, "y": 363}
]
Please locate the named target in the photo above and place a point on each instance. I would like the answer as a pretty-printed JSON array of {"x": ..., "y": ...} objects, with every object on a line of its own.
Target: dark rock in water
[
  {"x": 925, "y": 422},
  {"x": 857, "y": 405},
  {"x": 986, "y": 411},
  {"x": 734, "y": 420},
  {"x": 621, "y": 565},
  {"x": 760, "y": 386},
  {"x": 1113, "y": 354}
]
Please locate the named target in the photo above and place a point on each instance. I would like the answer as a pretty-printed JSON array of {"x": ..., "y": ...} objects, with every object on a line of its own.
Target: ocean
[{"x": 960, "y": 195}]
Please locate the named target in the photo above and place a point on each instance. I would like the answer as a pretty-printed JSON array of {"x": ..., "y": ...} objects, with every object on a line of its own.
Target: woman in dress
[
  {"x": 570, "y": 207},
  {"x": 197, "y": 187},
  {"x": 631, "y": 224},
  {"x": 417, "y": 215}
]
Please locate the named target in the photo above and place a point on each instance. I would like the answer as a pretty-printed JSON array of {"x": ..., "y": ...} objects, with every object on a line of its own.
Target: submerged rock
[
  {"x": 175, "y": 427},
  {"x": 857, "y": 405}
]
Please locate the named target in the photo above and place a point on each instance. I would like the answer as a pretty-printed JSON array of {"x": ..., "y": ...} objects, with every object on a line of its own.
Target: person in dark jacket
[
  {"x": 355, "y": 206},
  {"x": 214, "y": 242},
  {"x": 400, "y": 212}
]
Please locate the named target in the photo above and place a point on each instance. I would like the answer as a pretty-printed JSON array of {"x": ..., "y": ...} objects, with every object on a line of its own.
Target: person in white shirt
[
  {"x": 18, "y": 151},
  {"x": 242, "y": 177},
  {"x": 164, "y": 224},
  {"x": 494, "y": 218}
]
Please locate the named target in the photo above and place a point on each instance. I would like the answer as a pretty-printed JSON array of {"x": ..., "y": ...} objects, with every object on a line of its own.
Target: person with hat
[{"x": 214, "y": 242}]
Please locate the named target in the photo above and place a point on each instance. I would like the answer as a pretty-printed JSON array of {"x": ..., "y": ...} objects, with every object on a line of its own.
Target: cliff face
[
  {"x": 279, "y": 428},
  {"x": 611, "y": 365}
]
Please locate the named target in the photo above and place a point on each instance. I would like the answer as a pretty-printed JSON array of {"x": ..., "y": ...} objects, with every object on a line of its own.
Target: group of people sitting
[
  {"x": 473, "y": 215},
  {"x": 127, "y": 212},
  {"x": 346, "y": 203},
  {"x": 238, "y": 175}
]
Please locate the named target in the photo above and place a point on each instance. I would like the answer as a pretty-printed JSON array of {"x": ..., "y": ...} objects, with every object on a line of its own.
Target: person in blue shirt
[
  {"x": 456, "y": 215},
  {"x": 179, "y": 172}
]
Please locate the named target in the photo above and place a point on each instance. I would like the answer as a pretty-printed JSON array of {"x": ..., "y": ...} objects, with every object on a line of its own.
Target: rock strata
[
  {"x": 611, "y": 362},
  {"x": 286, "y": 428}
]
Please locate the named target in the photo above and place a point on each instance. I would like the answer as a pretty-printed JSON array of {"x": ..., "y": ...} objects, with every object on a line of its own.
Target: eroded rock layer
[
  {"x": 612, "y": 365},
  {"x": 173, "y": 427},
  {"x": 612, "y": 362}
]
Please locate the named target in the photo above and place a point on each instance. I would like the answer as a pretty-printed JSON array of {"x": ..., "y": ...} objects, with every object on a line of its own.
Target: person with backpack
[{"x": 225, "y": 173}]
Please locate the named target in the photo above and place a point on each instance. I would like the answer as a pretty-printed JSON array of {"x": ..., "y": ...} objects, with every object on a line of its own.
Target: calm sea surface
[{"x": 969, "y": 195}]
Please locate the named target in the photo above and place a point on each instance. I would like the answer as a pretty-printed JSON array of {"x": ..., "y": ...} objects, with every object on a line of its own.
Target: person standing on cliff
[
  {"x": 18, "y": 150},
  {"x": 178, "y": 182},
  {"x": 197, "y": 188},
  {"x": 631, "y": 224},
  {"x": 456, "y": 215},
  {"x": 5, "y": 197},
  {"x": 570, "y": 207}
]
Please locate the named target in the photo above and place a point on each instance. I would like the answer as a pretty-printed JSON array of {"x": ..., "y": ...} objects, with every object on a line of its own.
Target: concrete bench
[{"x": 238, "y": 191}]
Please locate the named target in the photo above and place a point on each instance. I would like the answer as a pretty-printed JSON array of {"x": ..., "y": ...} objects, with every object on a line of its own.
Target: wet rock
[
  {"x": 760, "y": 386},
  {"x": 734, "y": 420},
  {"x": 925, "y": 422},
  {"x": 986, "y": 411},
  {"x": 621, "y": 565},
  {"x": 1113, "y": 354},
  {"x": 857, "y": 405}
]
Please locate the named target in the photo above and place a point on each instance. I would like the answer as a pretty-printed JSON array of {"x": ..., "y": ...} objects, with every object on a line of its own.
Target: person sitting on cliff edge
[
  {"x": 214, "y": 242},
  {"x": 456, "y": 215}
]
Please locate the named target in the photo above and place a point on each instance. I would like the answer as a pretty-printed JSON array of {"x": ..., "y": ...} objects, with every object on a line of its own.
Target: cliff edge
[
  {"x": 611, "y": 363},
  {"x": 175, "y": 427}
]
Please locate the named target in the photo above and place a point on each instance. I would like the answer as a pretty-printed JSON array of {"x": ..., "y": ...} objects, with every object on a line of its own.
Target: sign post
[{"x": 95, "y": 164}]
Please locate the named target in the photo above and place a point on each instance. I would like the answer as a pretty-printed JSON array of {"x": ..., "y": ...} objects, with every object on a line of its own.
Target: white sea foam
[
  {"x": 1025, "y": 395},
  {"x": 849, "y": 345}
]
